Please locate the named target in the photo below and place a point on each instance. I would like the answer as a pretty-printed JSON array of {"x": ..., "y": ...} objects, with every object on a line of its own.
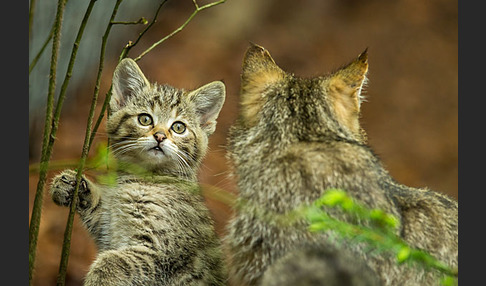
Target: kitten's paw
[{"x": 63, "y": 186}]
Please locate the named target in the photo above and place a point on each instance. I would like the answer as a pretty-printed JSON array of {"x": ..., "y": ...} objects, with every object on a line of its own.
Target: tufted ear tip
[
  {"x": 258, "y": 59},
  {"x": 354, "y": 74},
  {"x": 363, "y": 57}
]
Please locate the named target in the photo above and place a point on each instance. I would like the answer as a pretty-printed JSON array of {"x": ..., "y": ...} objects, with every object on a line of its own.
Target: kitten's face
[
  {"x": 152, "y": 132},
  {"x": 161, "y": 128},
  {"x": 291, "y": 109}
]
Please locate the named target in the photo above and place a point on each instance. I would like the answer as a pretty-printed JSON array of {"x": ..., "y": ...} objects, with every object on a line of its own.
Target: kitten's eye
[
  {"x": 145, "y": 119},
  {"x": 178, "y": 127}
]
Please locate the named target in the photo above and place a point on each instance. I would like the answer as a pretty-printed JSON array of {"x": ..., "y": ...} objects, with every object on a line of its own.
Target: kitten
[
  {"x": 297, "y": 137},
  {"x": 152, "y": 228}
]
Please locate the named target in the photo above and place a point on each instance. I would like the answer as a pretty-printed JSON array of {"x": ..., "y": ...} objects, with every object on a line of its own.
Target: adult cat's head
[
  {"x": 286, "y": 109},
  {"x": 158, "y": 127}
]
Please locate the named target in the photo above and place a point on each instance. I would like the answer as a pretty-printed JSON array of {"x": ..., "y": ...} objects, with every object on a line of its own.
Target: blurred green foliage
[{"x": 379, "y": 236}]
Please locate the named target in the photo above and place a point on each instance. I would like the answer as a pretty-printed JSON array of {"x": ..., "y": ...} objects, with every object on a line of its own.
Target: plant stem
[
  {"x": 37, "y": 57},
  {"x": 130, "y": 45},
  {"x": 100, "y": 117},
  {"x": 139, "y": 21},
  {"x": 45, "y": 156},
  {"x": 49, "y": 37},
  {"x": 197, "y": 10},
  {"x": 69, "y": 225},
  {"x": 31, "y": 16},
  {"x": 62, "y": 94}
]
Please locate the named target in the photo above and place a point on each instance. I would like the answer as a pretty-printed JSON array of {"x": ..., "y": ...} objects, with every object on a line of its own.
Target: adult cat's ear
[
  {"x": 259, "y": 71},
  {"x": 209, "y": 100},
  {"x": 128, "y": 80},
  {"x": 344, "y": 88}
]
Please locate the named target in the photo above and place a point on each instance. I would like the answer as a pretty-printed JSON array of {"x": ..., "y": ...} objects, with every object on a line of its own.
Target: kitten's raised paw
[{"x": 63, "y": 186}]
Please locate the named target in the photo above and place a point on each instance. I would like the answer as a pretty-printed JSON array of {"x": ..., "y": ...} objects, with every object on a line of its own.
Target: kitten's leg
[
  {"x": 129, "y": 266},
  {"x": 143, "y": 265},
  {"x": 62, "y": 189}
]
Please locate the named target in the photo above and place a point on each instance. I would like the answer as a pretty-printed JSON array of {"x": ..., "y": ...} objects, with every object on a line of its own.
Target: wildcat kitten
[
  {"x": 152, "y": 228},
  {"x": 294, "y": 139}
]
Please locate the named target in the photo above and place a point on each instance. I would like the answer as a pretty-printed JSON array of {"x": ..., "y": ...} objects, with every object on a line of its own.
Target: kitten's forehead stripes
[
  {"x": 175, "y": 97},
  {"x": 165, "y": 96}
]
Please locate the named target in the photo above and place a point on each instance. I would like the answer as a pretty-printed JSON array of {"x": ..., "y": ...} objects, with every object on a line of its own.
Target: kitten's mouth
[{"x": 157, "y": 148}]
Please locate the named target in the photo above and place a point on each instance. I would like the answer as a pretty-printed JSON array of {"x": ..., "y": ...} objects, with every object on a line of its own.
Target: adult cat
[{"x": 295, "y": 139}]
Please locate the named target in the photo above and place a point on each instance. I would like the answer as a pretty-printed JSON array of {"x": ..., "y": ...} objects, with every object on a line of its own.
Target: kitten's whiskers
[
  {"x": 182, "y": 164},
  {"x": 123, "y": 147}
]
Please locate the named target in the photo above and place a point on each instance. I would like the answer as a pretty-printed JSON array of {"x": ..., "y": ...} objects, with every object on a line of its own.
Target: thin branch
[
  {"x": 49, "y": 37},
  {"x": 53, "y": 123},
  {"x": 37, "y": 57},
  {"x": 100, "y": 117},
  {"x": 139, "y": 21},
  {"x": 197, "y": 10},
  {"x": 62, "y": 94},
  {"x": 130, "y": 45},
  {"x": 45, "y": 156},
  {"x": 69, "y": 225},
  {"x": 31, "y": 16}
]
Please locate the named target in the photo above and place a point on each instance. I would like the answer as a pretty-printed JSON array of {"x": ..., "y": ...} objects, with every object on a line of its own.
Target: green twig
[
  {"x": 380, "y": 235},
  {"x": 69, "y": 225},
  {"x": 49, "y": 37},
  {"x": 100, "y": 117},
  {"x": 45, "y": 155},
  {"x": 62, "y": 94},
  {"x": 31, "y": 16},
  {"x": 37, "y": 57},
  {"x": 131, "y": 44},
  {"x": 197, "y": 10},
  {"x": 139, "y": 21}
]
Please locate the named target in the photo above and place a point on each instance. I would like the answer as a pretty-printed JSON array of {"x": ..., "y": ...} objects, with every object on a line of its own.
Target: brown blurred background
[{"x": 411, "y": 113}]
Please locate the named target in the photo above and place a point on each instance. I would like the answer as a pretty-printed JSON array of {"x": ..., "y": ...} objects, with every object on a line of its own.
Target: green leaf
[
  {"x": 449, "y": 281},
  {"x": 380, "y": 237},
  {"x": 403, "y": 254},
  {"x": 383, "y": 218},
  {"x": 335, "y": 197},
  {"x": 318, "y": 226},
  {"x": 314, "y": 214},
  {"x": 103, "y": 158},
  {"x": 107, "y": 179}
]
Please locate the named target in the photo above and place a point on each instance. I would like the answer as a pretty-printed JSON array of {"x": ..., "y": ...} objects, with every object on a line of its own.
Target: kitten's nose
[{"x": 160, "y": 136}]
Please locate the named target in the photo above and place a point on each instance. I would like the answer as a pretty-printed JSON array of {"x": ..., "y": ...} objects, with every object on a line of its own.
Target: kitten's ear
[
  {"x": 344, "y": 88},
  {"x": 128, "y": 80},
  {"x": 209, "y": 100},
  {"x": 259, "y": 71}
]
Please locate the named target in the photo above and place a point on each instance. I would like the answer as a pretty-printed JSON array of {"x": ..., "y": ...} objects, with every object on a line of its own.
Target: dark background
[{"x": 411, "y": 113}]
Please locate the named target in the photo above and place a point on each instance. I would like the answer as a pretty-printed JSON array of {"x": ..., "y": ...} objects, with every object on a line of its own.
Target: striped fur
[
  {"x": 296, "y": 138},
  {"x": 152, "y": 228}
]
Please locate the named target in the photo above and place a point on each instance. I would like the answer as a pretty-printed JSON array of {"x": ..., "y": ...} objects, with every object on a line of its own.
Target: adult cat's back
[{"x": 295, "y": 139}]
